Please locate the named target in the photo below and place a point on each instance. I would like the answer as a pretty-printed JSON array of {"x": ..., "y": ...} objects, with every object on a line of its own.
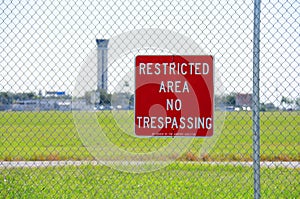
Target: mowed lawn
[
  {"x": 53, "y": 136},
  {"x": 178, "y": 180}
]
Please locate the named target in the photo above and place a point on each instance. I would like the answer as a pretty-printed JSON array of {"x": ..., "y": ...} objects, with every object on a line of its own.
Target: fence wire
[{"x": 67, "y": 101}]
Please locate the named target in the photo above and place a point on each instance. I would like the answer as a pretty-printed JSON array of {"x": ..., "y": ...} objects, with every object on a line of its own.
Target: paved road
[{"x": 34, "y": 164}]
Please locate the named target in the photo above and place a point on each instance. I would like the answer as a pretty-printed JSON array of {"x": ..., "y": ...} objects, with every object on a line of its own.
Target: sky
[{"x": 45, "y": 45}]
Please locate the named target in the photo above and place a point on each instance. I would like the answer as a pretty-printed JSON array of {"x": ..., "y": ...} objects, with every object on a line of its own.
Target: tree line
[{"x": 7, "y": 98}]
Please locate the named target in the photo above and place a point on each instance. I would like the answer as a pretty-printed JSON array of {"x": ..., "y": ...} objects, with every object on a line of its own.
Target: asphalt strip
[{"x": 40, "y": 164}]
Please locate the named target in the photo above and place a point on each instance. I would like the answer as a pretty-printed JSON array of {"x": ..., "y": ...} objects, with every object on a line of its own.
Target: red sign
[{"x": 174, "y": 95}]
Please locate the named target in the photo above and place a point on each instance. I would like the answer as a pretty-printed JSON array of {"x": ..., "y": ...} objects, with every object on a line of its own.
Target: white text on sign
[{"x": 174, "y": 68}]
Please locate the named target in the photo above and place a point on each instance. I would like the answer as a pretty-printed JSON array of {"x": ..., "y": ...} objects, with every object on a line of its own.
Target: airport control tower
[{"x": 102, "y": 62}]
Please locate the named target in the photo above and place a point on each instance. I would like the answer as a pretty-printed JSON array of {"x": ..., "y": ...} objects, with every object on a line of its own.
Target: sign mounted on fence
[{"x": 174, "y": 95}]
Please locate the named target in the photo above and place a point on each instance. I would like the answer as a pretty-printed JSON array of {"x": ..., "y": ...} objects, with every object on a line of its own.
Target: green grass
[
  {"x": 39, "y": 136},
  {"x": 178, "y": 180},
  {"x": 53, "y": 136}
]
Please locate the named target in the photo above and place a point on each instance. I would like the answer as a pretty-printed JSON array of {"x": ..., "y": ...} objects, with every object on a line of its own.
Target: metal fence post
[{"x": 256, "y": 118}]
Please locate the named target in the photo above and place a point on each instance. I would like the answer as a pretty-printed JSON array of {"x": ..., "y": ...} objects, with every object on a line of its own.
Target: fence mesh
[{"x": 67, "y": 99}]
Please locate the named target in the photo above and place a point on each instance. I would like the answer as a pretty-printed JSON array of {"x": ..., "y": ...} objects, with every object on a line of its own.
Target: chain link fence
[{"x": 67, "y": 88}]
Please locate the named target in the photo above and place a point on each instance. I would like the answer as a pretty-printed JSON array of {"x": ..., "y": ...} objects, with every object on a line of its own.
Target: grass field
[
  {"x": 178, "y": 180},
  {"x": 53, "y": 136}
]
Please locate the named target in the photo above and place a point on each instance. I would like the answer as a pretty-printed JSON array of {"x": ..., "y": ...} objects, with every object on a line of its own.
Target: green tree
[
  {"x": 285, "y": 100},
  {"x": 131, "y": 100},
  {"x": 230, "y": 99},
  {"x": 298, "y": 102},
  {"x": 105, "y": 98}
]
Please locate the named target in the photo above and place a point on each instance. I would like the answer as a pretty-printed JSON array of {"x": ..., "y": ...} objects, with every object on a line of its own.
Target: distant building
[
  {"x": 4, "y": 107},
  {"x": 121, "y": 101},
  {"x": 42, "y": 105},
  {"x": 55, "y": 93},
  {"x": 25, "y": 105},
  {"x": 243, "y": 100},
  {"x": 102, "y": 61}
]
